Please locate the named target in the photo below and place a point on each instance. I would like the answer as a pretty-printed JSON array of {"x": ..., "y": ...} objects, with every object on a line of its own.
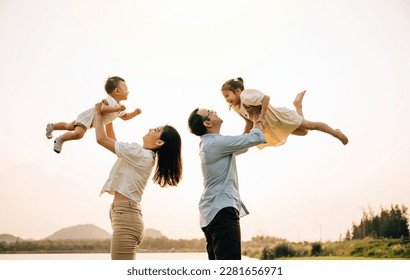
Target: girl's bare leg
[
  {"x": 298, "y": 103},
  {"x": 300, "y": 131},
  {"x": 324, "y": 128}
]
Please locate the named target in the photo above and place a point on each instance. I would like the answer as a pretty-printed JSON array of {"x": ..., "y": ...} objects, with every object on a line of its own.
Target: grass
[
  {"x": 361, "y": 249},
  {"x": 334, "y": 258}
]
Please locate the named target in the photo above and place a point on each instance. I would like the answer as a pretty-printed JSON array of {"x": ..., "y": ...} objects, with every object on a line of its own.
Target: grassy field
[
  {"x": 336, "y": 258},
  {"x": 268, "y": 248}
]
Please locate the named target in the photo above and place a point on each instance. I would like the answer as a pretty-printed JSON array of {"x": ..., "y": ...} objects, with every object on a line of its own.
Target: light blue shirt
[{"x": 217, "y": 154}]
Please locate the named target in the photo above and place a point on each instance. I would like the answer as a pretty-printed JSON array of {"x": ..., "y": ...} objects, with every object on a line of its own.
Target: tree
[
  {"x": 391, "y": 223},
  {"x": 348, "y": 235}
]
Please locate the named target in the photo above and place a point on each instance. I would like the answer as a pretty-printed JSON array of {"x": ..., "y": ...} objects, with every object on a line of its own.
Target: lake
[
  {"x": 99, "y": 266},
  {"x": 105, "y": 256}
]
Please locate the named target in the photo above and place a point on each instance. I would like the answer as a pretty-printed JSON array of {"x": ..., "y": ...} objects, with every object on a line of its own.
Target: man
[{"x": 220, "y": 203}]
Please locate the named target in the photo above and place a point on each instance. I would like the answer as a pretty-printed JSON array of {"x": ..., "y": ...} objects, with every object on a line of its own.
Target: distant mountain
[
  {"x": 87, "y": 231},
  {"x": 8, "y": 238},
  {"x": 149, "y": 232}
]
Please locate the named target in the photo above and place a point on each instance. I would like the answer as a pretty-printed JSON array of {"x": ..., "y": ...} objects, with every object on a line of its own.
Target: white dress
[
  {"x": 281, "y": 121},
  {"x": 85, "y": 119}
]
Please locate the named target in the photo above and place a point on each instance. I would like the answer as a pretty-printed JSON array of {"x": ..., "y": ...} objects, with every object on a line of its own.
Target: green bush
[
  {"x": 280, "y": 250},
  {"x": 316, "y": 249}
]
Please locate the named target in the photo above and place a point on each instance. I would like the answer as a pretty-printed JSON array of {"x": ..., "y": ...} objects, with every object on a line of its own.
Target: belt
[{"x": 126, "y": 202}]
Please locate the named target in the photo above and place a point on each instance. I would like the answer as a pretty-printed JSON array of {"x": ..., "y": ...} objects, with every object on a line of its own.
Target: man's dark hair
[{"x": 196, "y": 123}]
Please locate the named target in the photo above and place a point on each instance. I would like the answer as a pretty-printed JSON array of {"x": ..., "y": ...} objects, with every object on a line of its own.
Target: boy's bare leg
[
  {"x": 64, "y": 126},
  {"x": 78, "y": 133}
]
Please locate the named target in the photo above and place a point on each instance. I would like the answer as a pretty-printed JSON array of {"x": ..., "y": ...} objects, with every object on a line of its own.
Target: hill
[
  {"x": 87, "y": 231},
  {"x": 80, "y": 232},
  {"x": 153, "y": 233},
  {"x": 8, "y": 238}
]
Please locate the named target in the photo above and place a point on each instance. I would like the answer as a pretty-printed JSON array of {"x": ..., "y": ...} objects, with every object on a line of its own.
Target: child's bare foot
[
  {"x": 298, "y": 99},
  {"x": 298, "y": 103},
  {"x": 341, "y": 137}
]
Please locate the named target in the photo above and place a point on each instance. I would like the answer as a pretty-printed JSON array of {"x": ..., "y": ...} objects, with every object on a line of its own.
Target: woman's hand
[
  {"x": 97, "y": 108},
  {"x": 122, "y": 108}
]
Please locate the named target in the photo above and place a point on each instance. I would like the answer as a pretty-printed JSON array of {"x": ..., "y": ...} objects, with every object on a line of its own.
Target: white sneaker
[
  {"x": 58, "y": 145},
  {"x": 49, "y": 131}
]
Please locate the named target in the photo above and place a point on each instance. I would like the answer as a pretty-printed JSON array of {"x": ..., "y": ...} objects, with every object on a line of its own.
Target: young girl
[
  {"x": 280, "y": 121},
  {"x": 117, "y": 91}
]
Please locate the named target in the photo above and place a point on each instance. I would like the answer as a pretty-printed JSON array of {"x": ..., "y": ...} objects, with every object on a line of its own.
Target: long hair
[{"x": 168, "y": 171}]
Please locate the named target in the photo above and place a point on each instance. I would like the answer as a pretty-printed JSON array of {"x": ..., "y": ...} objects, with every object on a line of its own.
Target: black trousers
[{"x": 223, "y": 235}]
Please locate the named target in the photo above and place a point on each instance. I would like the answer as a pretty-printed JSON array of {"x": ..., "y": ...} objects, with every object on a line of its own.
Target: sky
[{"x": 352, "y": 58}]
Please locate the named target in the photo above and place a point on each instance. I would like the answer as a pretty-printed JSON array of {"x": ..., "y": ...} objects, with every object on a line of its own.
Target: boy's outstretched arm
[
  {"x": 127, "y": 116},
  {"x": 105, "y": 108}
]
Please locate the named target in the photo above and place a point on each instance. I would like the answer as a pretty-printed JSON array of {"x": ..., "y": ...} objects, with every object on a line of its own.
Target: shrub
[
  {"x": 316, "y": 249},
  {"x": 280, "y": 250}
]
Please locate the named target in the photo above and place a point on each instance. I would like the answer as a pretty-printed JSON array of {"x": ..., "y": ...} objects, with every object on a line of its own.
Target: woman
[{"x": 129, "y": 177}]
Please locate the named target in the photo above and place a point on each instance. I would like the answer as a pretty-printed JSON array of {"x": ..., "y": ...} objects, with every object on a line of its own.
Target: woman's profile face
[{"x": 152, "y": 140}]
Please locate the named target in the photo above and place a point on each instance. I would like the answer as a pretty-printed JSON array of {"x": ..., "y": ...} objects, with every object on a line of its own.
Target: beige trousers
[{"x": 128, "y": 229}]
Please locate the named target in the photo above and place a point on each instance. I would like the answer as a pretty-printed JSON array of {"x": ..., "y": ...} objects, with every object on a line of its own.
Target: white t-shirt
[
  {"x": 130, "y": 173},
  {"x": 85, "y": 119}
]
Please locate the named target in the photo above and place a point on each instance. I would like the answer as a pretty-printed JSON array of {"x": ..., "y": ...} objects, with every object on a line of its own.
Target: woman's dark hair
[
  {"x": 233, "y": 84},
  {"x": 111, "y": 83},
  {"x": 169, "y": 160},
  {"x": 196, "y": 123}
]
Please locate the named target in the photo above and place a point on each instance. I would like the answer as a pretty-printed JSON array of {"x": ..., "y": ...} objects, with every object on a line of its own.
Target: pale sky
[{"x": 352, "y": 57}]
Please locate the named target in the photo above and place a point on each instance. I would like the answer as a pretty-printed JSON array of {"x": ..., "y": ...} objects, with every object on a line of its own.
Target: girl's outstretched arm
[{"x": 248, "y": 125}]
